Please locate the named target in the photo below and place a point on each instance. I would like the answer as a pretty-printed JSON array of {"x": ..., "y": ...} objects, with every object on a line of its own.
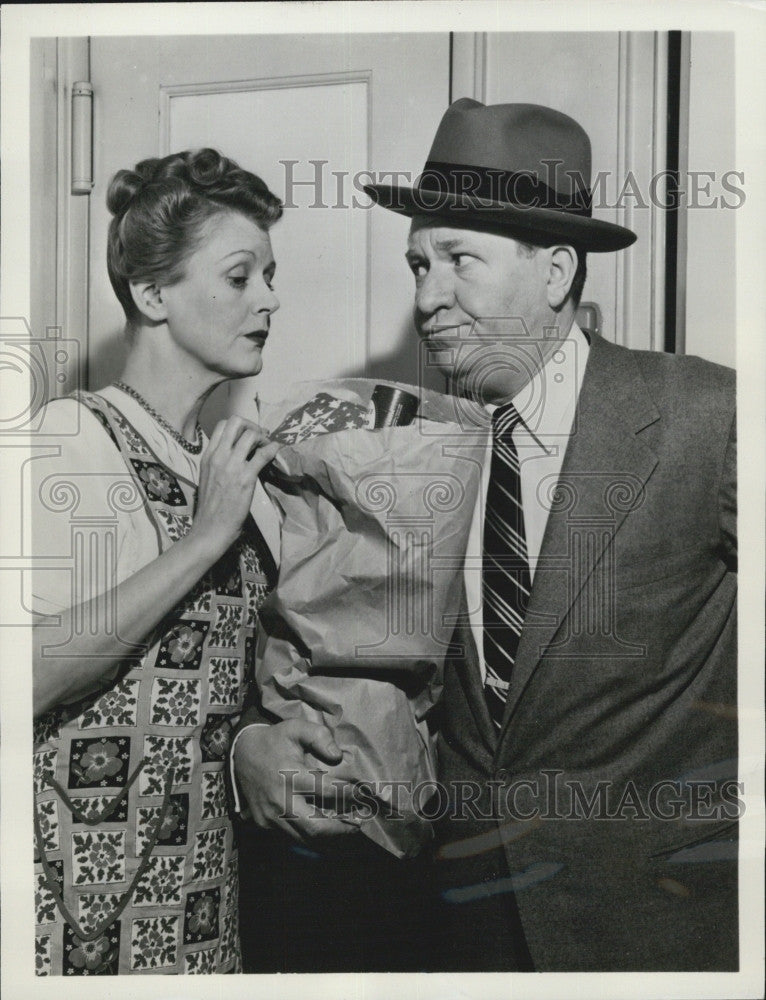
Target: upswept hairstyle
[{"x": 160, "y": 207}]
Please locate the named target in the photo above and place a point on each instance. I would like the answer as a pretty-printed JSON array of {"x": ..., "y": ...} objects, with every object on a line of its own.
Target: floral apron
[{"x": 135, "y": 865}]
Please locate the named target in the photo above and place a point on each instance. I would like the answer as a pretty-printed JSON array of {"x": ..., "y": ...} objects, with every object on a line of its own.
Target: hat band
[{"x": 488, "y": 186}]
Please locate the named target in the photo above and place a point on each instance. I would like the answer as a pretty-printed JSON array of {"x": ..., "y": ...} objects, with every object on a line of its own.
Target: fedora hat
[{"x": 523, "y": 169}]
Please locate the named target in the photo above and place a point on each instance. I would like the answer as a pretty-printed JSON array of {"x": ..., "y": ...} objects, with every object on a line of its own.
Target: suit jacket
[{"x": 625, "y": 679}]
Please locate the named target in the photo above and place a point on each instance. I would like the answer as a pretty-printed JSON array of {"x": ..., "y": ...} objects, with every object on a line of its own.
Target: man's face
[{"x": 481, "y": 304}]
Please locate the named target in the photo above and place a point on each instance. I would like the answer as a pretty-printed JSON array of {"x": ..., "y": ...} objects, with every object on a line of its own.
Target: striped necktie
[{"x": 506, "y": 581}]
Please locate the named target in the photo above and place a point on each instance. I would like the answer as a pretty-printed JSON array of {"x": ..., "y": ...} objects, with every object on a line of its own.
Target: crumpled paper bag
[{"x": 375, "y": 528}]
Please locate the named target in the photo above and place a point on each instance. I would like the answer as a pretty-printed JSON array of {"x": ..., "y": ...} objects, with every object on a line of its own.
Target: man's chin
[{"x": 483, "y": 388}]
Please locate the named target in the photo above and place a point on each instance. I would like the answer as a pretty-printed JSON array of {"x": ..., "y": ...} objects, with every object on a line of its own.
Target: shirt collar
[{"x": 547, "y": 403}]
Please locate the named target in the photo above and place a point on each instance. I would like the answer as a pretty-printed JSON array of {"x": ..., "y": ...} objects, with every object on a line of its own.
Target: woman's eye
[{"x": 238, "y": 280}]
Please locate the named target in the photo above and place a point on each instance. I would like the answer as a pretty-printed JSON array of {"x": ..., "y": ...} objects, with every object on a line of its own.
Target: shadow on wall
[{"x": 107, "y": 361}]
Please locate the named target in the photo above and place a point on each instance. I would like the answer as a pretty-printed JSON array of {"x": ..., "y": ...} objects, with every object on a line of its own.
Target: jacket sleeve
[
  {"x": 253, "y": 714},
  {"x": 727, "y": 499}
]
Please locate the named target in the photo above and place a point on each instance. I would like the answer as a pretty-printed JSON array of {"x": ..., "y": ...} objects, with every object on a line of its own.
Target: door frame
[
  {"x": 60, "y": 220},
  {"x": 642, "y": 88}
]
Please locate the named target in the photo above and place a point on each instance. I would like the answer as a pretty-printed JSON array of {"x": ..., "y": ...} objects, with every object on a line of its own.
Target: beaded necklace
[{"x": 193, "y": 448}]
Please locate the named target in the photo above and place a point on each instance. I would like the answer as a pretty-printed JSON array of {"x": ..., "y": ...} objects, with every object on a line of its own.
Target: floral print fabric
[{"x": 131, "y": 810}]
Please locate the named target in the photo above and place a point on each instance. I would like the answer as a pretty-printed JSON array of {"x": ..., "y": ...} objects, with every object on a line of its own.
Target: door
[{"x": 311, "y": 116}]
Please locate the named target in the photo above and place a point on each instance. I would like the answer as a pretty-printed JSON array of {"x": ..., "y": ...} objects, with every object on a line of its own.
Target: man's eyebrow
[
  {"x": 446, "y": 245},
  {"x": 449, "y": 244}
]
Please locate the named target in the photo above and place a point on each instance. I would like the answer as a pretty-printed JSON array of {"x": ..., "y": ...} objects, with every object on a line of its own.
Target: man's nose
[{"x": 434, "y": 292}]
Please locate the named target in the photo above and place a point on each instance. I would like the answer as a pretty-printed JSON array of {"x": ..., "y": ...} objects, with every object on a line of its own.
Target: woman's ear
[
  {"x": 148, "y": 299},
  {"x": 563, "y": 265}
]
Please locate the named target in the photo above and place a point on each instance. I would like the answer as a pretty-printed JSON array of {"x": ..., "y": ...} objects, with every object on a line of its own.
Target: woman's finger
[
  {"x": 215, "y": 438},
  {"x": 236, "y": 426},
  {"x": 246, "y": 442},
  {"x": 233, "y": 427},
  {"x": 264, "y": 454}
]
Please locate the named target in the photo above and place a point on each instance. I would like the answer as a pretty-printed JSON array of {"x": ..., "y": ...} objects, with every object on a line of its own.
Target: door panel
[
  {"x": 352, "y": 103},
  {"x": 322, "y": 278}
]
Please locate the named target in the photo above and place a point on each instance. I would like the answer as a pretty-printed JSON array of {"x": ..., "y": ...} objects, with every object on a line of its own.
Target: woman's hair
[{"x": 159, "y": 209}]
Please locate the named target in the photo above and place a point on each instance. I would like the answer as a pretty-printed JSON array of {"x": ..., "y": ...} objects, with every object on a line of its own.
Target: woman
[{"x": 142, "y": 669}]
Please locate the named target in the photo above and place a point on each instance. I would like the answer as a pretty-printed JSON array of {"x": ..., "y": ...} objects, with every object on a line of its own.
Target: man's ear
[
  {"x": 148, "y": 299},
  {"x": 563, "y": 265}
]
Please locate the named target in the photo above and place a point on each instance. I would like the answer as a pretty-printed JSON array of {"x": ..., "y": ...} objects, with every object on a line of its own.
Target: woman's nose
[
  {"x": 266, "y": 300},
  {"x": 434, "y": 292}
]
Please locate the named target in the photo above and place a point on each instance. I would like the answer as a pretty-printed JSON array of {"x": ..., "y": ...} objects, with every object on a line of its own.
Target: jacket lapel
[{"x": 604, "y": 452}]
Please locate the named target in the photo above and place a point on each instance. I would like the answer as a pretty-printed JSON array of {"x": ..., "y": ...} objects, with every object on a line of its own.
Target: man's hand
[{"x": 282, "y": 770}]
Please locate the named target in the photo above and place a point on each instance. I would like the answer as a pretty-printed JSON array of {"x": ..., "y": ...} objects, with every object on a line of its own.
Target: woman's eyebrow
[{"x": 233, "y": 252}]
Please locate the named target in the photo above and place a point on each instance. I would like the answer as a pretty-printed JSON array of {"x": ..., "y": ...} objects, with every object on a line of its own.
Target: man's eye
[
  {"x": 417, "y": 268},
  {"x": 461, "y": 259}
]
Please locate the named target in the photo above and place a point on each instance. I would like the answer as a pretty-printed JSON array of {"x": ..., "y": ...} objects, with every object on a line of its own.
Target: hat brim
[{"x": 529, "y": 224}]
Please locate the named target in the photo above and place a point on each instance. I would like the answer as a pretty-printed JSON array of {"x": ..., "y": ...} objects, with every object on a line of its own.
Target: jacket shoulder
[
  {"x": 688, "y": 373},
  {"x": 685, "y": 385}
]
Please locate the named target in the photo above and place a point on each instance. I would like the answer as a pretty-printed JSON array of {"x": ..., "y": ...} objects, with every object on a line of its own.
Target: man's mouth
[{"x": 446, "y": 332}]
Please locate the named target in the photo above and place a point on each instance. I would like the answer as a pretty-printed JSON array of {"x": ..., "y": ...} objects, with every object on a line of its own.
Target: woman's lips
[{"x": 257, "y": 337}]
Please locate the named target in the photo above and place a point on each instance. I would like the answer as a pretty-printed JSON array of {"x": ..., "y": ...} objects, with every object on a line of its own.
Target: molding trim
[
  {"x": 641, "y": 154},
  {"x": 60, "y": 306},
  {"x": 169, "y": 91},
  {"x": 683, "y": 170},
  {"x": 624, "y": 216},
  {"x": 658, "y": 216},
  {"x": 468, "y": 72}
]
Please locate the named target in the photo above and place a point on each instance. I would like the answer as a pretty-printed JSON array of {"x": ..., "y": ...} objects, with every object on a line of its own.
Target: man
[{"x": 587, "y": 743}]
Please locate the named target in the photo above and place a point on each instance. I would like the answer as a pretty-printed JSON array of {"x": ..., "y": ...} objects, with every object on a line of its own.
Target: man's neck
[{"x": 518, "y": 364}]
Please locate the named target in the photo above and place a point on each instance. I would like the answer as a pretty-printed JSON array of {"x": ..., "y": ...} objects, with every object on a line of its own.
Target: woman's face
[{"x": 218, "y": 315}]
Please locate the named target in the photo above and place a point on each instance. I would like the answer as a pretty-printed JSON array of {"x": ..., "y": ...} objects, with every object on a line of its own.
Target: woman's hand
[{"x": 229, "y": 468}]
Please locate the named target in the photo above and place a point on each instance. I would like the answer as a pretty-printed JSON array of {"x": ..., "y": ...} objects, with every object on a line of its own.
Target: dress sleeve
[{"x": 79, "y": 509}]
